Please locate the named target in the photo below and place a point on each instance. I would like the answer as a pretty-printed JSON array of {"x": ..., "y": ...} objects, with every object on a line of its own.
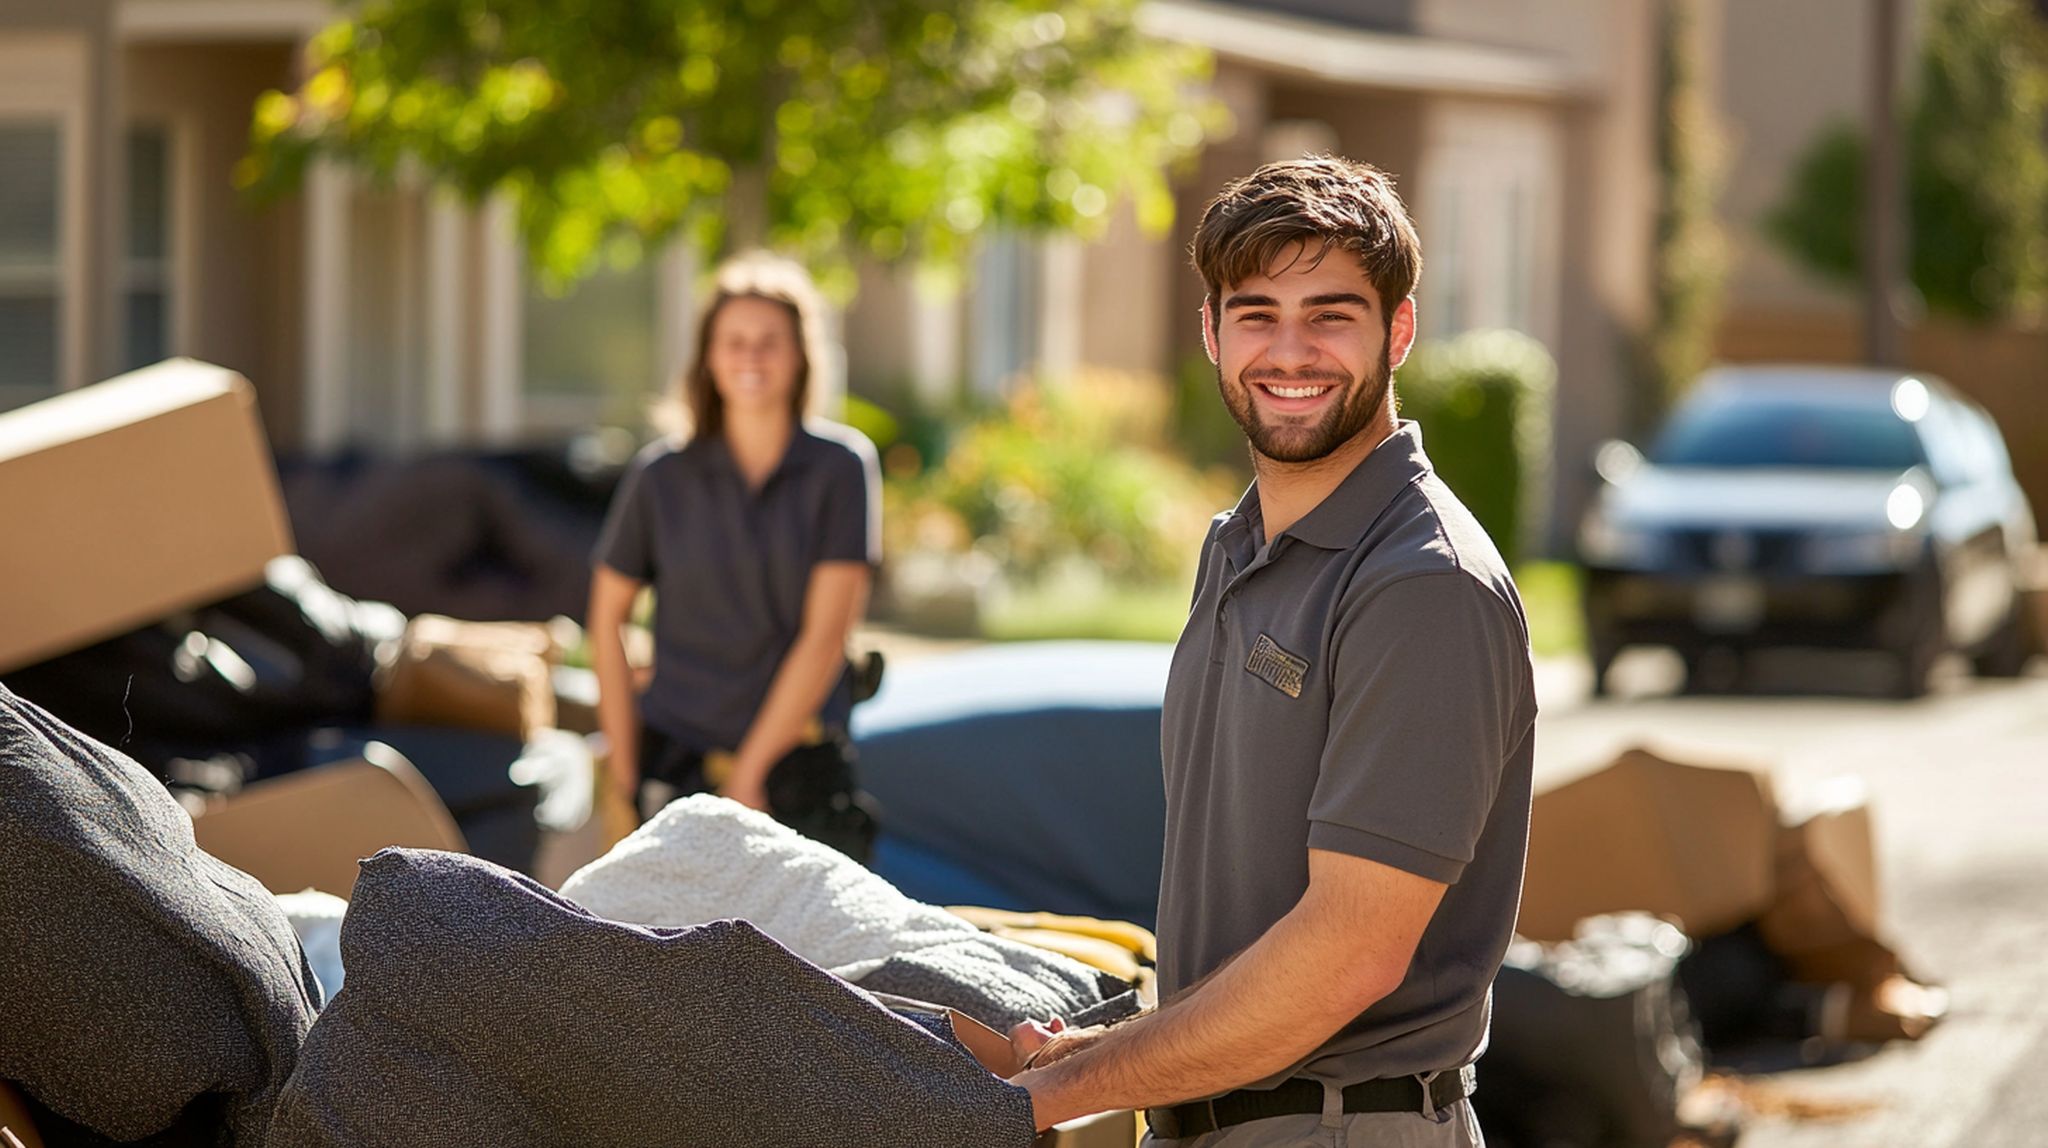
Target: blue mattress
[{"x": 1022, "y": 775}]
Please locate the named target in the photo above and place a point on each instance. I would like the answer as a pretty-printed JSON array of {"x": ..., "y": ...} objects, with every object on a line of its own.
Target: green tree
[
  {"x": 823, "y": 127},
  {"x": 1692, "y": 249},
  {"x": 1976, "y": 170}
]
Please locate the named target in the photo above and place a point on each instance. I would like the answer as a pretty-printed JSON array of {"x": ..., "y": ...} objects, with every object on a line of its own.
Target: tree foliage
[
  {"x": 1692, "y": 247},
  {"x": 1976, "y": 170},
  {"x": 823, "y": 127}
]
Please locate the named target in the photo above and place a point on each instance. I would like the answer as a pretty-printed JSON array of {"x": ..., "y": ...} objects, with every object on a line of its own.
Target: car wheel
[
  {"x": 2006, "y": 653},
  {"x": 1602, "y": 652},
  {"x": 1712, "y": 669},
  {"x": 1921, "y": 650}
]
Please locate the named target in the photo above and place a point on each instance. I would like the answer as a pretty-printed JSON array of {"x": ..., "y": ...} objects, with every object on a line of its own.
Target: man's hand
[{"x": 1352, "y": 935}]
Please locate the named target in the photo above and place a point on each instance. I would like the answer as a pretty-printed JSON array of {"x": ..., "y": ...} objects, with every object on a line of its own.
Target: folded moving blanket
[
  {"x": 148, "y": 992},
  {"x": 704, "y": 858},
  {"x": 483, "y": 1009}
]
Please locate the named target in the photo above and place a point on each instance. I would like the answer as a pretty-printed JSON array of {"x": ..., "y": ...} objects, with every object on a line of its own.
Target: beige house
[
  {"x": 396, "y": 318},
  {"x": 387, "y": 317},
  {"x": 1520, "y": 131}
]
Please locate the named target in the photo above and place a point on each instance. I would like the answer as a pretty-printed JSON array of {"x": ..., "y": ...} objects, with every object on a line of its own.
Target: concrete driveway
[{"x": 1958, "y": 784}]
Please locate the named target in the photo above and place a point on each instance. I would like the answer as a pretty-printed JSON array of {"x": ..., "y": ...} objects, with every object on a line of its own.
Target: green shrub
[
  {"x": 1483, "y": 400},
  {"x": 1072, "y": 473},
  {"x": 1203, "y": 428}
]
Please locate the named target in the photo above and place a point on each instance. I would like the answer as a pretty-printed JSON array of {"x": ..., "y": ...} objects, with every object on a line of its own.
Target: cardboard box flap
[
  {"x": 1689, "y": 841},
  {"x": 307, "y": 830},
  {"x": 138, "y": 396},
  {"x": 128, "y": 500},
  {"x": 16, "y": 1129}
]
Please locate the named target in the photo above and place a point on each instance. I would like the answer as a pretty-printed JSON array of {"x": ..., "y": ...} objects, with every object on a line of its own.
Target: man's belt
[{"x": 1300, "y": 1097}]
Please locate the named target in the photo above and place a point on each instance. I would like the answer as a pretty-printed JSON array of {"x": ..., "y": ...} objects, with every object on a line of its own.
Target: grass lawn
[
  {"x": 1114, "y": 613},
  {"x": 1550, "y": 595}
]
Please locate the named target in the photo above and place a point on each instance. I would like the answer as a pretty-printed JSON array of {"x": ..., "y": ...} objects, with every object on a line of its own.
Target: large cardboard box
[
  {"x": 1692, "y": 842},
  {"x": 1102, "y": 1130},
  {"x": 1824, "y": 921},
  {"x": 307, "y": 830},
  {"x": 130, "y": 499},
  {"x": 490, "y": 676}
]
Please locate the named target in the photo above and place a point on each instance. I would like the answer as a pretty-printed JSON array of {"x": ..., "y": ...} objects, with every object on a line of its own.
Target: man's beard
[{"x": 1357, "y": 404}]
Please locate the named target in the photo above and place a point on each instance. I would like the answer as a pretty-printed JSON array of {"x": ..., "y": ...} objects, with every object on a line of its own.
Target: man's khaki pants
[{"x": 1452, "y": 1127}]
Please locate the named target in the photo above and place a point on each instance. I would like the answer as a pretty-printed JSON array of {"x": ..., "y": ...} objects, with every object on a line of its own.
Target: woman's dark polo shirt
[
  {"x": 730, "y": 568},
  {"x": 1362, "y": 686}
]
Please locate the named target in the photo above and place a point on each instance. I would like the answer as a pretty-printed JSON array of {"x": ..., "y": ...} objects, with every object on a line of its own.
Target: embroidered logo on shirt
[{"x": 1276, "y": 667}]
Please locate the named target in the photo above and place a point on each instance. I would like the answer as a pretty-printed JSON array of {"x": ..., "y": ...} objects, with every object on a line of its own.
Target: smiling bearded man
[
  {"x": 1298, "y": 441},
  {"x": 1348, "y": 726}
]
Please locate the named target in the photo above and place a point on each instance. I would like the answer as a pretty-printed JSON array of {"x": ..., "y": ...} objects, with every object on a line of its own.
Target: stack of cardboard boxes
[{"x": 152, "y": 493}]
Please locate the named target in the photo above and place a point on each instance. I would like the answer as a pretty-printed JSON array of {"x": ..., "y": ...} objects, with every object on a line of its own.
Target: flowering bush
[{"x": 1074, "y": 473}]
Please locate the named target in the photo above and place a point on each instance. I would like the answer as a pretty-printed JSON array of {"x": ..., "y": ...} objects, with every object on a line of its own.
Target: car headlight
[
  {"x": 1862, "y": 551},
  {"x": 1605, "y": 543}
]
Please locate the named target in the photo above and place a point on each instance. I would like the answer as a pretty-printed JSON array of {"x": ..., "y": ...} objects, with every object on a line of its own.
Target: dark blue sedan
[{"x": 1813, "y": 506}]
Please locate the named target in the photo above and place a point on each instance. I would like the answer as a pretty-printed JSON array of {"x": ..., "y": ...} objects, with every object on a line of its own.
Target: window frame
[
  {"x": 43, "y": 80},
  {"x": 166, "y": 273}
]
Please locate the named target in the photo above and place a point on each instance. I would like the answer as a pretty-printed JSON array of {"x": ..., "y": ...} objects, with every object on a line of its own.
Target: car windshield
[{"x": 1777, "y": 433}]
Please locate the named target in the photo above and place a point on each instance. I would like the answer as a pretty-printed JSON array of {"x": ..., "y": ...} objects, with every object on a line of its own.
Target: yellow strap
[{"x": 718, "y": 763}]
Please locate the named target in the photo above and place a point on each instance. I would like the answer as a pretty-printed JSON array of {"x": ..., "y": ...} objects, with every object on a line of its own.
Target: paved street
[{"x": 1958, "y": 784}]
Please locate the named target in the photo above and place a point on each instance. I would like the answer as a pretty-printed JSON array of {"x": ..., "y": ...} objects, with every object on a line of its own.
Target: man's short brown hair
[{"x": 1321, "y": 202}]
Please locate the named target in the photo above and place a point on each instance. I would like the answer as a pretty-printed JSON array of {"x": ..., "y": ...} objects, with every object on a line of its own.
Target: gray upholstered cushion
[
  {"x": 481, "y": 1008},
  {"x": 148, "y": 992}
]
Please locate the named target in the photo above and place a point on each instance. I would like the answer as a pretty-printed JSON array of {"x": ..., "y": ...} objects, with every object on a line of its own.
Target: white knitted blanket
[{"x": 705, "y": 858}]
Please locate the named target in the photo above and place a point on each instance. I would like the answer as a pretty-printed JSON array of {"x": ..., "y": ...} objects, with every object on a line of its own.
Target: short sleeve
[
  {"x": 852, "y": 514},
  {"x": 1430, "y": 693},
  {"x": 627, "y": 542}
]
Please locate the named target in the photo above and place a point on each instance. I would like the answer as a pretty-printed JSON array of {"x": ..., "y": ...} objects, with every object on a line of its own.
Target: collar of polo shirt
[{"x": 1341, "y": 519}]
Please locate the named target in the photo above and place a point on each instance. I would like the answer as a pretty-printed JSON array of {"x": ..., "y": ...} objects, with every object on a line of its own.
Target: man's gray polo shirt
[
  {"x": 730, "y": 567},
  {"x": 1361, "y": 685}
]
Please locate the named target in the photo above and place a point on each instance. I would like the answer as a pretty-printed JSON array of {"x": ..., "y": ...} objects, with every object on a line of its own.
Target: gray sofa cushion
[
  {"x": 482, "y": 1008},
  {"x": 148, "y": 992}
]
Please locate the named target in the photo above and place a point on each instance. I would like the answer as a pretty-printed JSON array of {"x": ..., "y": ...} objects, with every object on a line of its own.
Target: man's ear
[
  {"x": 1401, "y": 332},
  {"x": 1209, "y": 331}
]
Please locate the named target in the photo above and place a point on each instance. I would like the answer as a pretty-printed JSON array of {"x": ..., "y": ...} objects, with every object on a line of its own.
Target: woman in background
[{"x": 759, "y": 533}]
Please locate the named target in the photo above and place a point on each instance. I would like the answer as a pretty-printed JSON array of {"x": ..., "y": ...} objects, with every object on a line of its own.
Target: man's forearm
[{"x": 1259, "y": 1015}]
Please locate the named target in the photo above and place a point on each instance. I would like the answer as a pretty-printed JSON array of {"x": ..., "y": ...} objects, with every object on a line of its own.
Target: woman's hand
[{"x": 750, "y": 792}]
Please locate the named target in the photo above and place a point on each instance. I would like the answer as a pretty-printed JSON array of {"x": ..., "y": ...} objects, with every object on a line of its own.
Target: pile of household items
[
  {"x": 198, "y": 741},
  {"x": 713, "y": 979}
]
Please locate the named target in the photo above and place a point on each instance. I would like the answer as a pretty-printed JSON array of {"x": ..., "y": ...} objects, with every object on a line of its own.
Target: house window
[
  {"x": 592, "y": 356},
  {"x": 1489, "y": 221},
  {"x": 31, "y": 280},
  {"x": 1003, "y": 313},
  {"x": 146, "y": 273}
]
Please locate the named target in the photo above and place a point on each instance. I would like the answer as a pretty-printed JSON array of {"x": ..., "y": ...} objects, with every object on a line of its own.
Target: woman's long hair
[{"x": 695, "y": 407}]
